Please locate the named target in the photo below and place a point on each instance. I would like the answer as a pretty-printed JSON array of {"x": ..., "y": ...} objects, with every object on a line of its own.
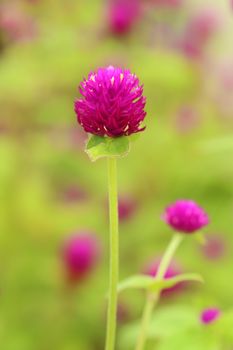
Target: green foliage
[
  {"x": 150, "y": 283},
  {"x": 179, "y": 327},
  {"x": 99, "y": 147}
]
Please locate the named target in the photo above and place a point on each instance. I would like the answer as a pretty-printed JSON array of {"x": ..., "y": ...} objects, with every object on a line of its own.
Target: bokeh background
[{"x": 182, "y": 51}]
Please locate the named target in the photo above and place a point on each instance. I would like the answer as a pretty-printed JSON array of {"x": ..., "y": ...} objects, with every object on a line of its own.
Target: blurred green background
[{"x": 49, "y": 189}]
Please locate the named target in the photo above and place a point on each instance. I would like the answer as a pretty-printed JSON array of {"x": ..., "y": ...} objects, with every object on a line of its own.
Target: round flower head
[
  {"x": 186, "y": 120},
  {"x": 122, "y": 15},
  {"x": 200, "y": 29},
  {"x": 172, "y": 271},
  {"x": 80, "y": 255},
  {"x": 185, "y": 216},
  {"x": 203, "y": 25},
  {"x": 214, "y": 248},
  {"x": 210, "y": 315},
  {"x": 16, "y": 25},
  {"x": 127, "y": 207},
  {"x": 112, "y": 103},
  {"x": 73, "y": 194}
]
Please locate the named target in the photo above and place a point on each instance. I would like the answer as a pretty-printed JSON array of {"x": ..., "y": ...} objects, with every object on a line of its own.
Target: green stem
[
  {"x": 153, "y": 298},
  {"x": 114, "y": 254}
]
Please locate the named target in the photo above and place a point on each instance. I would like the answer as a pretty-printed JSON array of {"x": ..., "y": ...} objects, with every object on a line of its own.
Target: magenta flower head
[
  {"x": 80, "y": 255},
  {"x": 172, "y": 271},
  {"x": 123, "y": 14},
  {"x": 16, "y": 25},
  {"x": 127, "y": 207},
  {"x": 210, "y": 315},
  {"x": 200, "y": 29},
  {"x": 185, "y": 216},
  {"x": 214, "y": 248},
  {"x": 204, "y": 25},
  {"x": 112, "y": 104}
]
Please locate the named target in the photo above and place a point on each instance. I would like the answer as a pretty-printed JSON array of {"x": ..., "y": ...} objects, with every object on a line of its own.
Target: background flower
[
  {"x": 80, "y": 255},
  {"x": 185, "y": 216},
  {"x": 210, "y": 315}
]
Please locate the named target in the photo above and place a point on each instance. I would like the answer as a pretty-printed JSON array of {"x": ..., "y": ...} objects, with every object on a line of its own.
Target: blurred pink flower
[
  {"x": 199, "y": 30},
  {"x": 172, "y": 271},
  {"x": 214, "y": 247},
  {"x": 80, "y": 254},
  {"x": 185, "y": 216},
  {"x": 123, "y": 14},
  {"x": 123, "y": 313},
  {"x": 127, "y": 207},
  {"x": 210, "y": 315},
  {"x": 187, "y": 119},
  {"x": 73, "y": 194},
  {"x": 16, "y": 24}
]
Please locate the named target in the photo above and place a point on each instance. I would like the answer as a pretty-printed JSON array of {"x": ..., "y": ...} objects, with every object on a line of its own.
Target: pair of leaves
[
  {"x": 150, "y": 283},
  {"x": 99, "y": 147}
]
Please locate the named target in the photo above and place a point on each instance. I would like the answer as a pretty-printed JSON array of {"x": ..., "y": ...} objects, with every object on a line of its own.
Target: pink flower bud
[
  {"x": 185, "y": 216},
  {"x": 80, "y": 255},
  {"x": 210, "y": 315}
]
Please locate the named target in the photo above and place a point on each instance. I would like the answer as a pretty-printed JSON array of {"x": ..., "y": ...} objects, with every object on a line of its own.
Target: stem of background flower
[
  {"x": 153, "y": 298},
  {"x": 114, "y": 254}
]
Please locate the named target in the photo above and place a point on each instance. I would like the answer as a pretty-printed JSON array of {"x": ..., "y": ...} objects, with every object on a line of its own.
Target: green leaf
[
  {"x": 134, "y": 137},
  {"x": 170, "y": 282},
  {"x": 99, "y": 147},
  {"x": 137, "y": 282},
  {"x": 167, "y": 321},
  {"x": 94, "y": 141},
  {"x": 150, "y": 283},
  {"x": 191, "y": 340}
]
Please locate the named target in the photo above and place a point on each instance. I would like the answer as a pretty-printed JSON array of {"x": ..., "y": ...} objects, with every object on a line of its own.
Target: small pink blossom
[
  {"x": 73, "y": 194},
  {"x": 210, "y": 315},
  {"x": 126, "y": 207},
  {"x": 80, "y": 254},
  {"x": 123, "y": 14},
  {"x": 185, "y": 216},
  {"x": 199, "y": 30},
  {"x": 187, "y": 119},
  {"x": 214, "y": 248},
  {"x": 16, "y": 25}
]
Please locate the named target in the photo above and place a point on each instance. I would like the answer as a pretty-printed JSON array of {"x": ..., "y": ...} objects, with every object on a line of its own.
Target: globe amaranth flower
[
  {"x": 127, "y": 206},
  {"x": 16, "y": 25},
  {"x": 80, "y": 254},
  {"x": 210, "y": 315},
  {"x": 173, "y": 270},
  {"x": 73, "y": 194},
  {"x": 200, "y": 29},
  {"x": 123, "y": 14},
  {"x": 185, "y": 216},
  {"x": 112, "y": 103},
  {"x": 214, "y": 247}
]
